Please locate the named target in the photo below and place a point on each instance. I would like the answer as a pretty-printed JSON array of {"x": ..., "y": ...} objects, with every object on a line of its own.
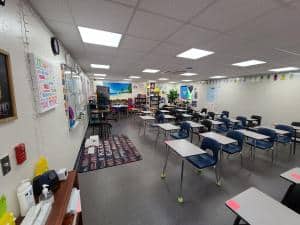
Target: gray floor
[{"x": 134, "y": 194}]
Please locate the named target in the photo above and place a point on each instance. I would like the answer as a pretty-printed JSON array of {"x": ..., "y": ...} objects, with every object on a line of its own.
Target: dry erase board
[{"x": 45, "y": 84}]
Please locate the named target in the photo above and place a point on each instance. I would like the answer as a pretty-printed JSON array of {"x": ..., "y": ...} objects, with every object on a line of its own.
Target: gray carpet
[{"x": 134, "y": 194}]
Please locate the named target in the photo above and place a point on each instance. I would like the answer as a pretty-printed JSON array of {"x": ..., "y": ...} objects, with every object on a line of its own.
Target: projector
[{"x": 2, "y": 2}]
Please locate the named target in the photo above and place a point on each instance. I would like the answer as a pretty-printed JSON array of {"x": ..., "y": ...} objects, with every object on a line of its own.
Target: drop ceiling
[{"x": 155, "y": 31}]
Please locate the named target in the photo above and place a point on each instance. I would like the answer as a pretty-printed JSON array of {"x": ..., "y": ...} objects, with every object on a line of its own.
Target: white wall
[
  {"x": 46, "y": 134},
  {"x": 275, "y": 101}
]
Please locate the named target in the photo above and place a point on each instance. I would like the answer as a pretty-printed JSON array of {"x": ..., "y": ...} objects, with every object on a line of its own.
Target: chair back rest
[
  {"x": 211, "y": 115},
  {"x": 204, "y": 110},
  {"x": 236, "y": 135},
  {"x": 212, "y": 145},
  {"x": 225, "y": 113},
  {"x": 161, "y": 118},
  {"x": 185, "y": 128},
  {"x": 207, "y": 124},
  {"x": 243, "y": 120},
  {"x": 268, "y": 132},
  {"x": 258, "y": 118},
  {"x": 297, "y": 124},
  {"x": 286, "y": 128},
  {"x": 226, "y": 122}
]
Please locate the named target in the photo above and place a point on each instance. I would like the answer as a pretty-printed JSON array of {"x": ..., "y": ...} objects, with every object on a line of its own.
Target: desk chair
[
  {"x": 184, "y": 131},
  {"x": 243, "y": 123},
  {"x": 285, "y": 139},
  {"x": 207, "y": 160},
  {"x": 159, "y": 118},
  {"x": 196, "y": 117},
  {"x": 207, "y": 128},
  {"x": 257, "y": 122},
  {"x": 211, "y": 115},
  {"x": 235, "y": 148},
  {"x": 297, "y": 134},
  {"x": 224, "y": 114},
  {"x": 203, "y": 110},
  {"x": 223, "y": 128},
  {"x": 179, "y": 118},
  {"x": 265, "y": 145}
]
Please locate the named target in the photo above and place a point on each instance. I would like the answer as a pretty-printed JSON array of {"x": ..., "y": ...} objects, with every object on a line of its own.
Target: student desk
[
  {"x": 254, "y": 135},
  {"x": 215, "y": 123},
  {"x": 296, "y": 129},
  {"x": 146, "y": 112},
  {"x": 194, "y": 124},
  {"x": 146, "y": 119},
  {"x": 186, "y": 116},
  {"x": 181, "y": 110},
  {"x": 166, "y": 128},
  {"x": 257, "y": 208},
  {"x": 183, "y": 149},
  {"x": 169, "y": 117},
  {"x": 292, "y": 175},
  {"x": 232, "y": 120},
  {"x": 164, "y": 111},
  {"x": 277, "y": 131}
]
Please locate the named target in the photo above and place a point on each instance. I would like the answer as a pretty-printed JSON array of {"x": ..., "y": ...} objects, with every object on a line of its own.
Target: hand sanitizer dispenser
[
  {"x": 47, "y": 195},
  {"x": 25, "y": 196}
]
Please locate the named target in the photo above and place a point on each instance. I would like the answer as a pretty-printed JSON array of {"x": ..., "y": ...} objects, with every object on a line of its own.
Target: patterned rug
[{"x": 116, "y": 150}]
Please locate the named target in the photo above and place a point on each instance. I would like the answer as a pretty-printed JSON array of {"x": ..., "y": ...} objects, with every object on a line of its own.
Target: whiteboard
[{"x": 45, "y": 84}]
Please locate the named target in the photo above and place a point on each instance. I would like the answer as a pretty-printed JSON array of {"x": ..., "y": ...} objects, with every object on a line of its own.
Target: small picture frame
[{"x": 8, "y": 111}]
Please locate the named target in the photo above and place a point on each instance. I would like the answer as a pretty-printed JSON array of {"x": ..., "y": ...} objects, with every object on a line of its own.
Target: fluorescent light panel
[
  {"x": 252, "y": 62},
  {"x": 186, "y": 80},
  {"x": 194, "y": 54},
  {"x": 285, "y": 69},
  {"x": 100, "y": 66},
  {"x": 188, "y": 74},
  {"x": 99, "y": 78},
  {"x": 134, "y": 77},
  {"x": 217, "y": 77},
  {"x": 99, "y": 75},
  {"x": 163, "y": 78},
  {"x": 127, "y": 79},
  {"x": 173, "y": 82},
  {"x": 99, "y": 37},
  {"x": 150, "y": 71}
]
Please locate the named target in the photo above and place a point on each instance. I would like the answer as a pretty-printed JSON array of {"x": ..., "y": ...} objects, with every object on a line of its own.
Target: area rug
[{"x": 115, "y": 151}]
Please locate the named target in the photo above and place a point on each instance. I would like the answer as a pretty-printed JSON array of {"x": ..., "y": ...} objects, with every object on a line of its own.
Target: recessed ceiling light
[
  {"x": 100, "y": 66},
  {"x": 173, "y": 82},
  {"x": 163, "y": 78},
  {"x": 99, "y": 75},
  {"x": 194, "y": 53},
  {"x": 285, "y": 69},
  {"x": 150, "y": 71},
  {"x": 99, "y": 37},
  {"x": 99, "y": 78},
  {"x": 188, "y": 74},
  {"x": 134, "y": 77},
  {"x": 126, "y": 79},
  {"x": 252, "y": 62},
  {"x": 186, "y": 80},
  {"x": 217, "y": 77},
  {"x": 151, "y": 81}
]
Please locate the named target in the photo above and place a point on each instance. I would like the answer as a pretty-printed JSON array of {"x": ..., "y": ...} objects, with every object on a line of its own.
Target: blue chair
[
  {"x": 287, "y": 138},
  {"x": 207, "y": 160},
  {"x": 224, "y": 114},
  {"x": 159, "y": 118},
  {"x": 184, "y": 131},
  {"x": 242, "y": 124},
  {"x": 235, "y": 148},
  {"x": 223, "y": 128},
  {"x": 267, "y": 144}
]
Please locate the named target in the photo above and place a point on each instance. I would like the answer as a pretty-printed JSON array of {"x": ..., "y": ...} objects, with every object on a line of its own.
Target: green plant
[{"x": 172, "y": 96}]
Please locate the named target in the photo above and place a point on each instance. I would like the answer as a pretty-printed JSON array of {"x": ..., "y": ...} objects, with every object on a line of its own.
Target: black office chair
[
  {"x": 257, "y": 121},
  {"x": 204, "y": 110}
]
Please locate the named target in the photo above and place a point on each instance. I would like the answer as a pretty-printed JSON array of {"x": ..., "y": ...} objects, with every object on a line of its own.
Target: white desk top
[
  {"x": 169, "y": 117},
  {"x": 184, "y": 148},
  {"x": 232, "y": 120},
  {"x": 181, "y": 110},
  {"x": 292, "y": 175},
  {"x": 277, "y": 131},
  {"x": 164, "y": 111},
  {"x": 119, "y": 106},
  {"x": 257, "y": 208},
  {"x": 168, "y": 126},
  {"x": 146, "y": 112},
  {"x": 186, "y": 115},
  {"x": 253, "y": 135},
  {"x": 251, "y": 119},
  {"x": 147, "y": 117},
  {"x": 216, "y": 122},
  {"x": 223, "y": 140},
  {"x": 201, "y": 114},
  {"x": 194, "y": 124}
]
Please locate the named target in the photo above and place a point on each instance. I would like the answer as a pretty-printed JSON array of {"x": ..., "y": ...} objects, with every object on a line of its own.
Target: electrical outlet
[{"x": 5, "y": 164}]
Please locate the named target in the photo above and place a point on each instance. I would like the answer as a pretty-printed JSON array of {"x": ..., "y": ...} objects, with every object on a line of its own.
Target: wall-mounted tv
[{"x": 186, "y": 92}]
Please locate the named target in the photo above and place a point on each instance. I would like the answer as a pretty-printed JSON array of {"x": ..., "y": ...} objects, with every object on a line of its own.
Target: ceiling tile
[
  {"x": 149, "y": 26},
  {"x": 179, "y": 9},
  {"x": 54, "y": 9},
  {"x": 225, "y": 15},
  {"x": 192, "y": 36},
  {"x": 66, "y": 31},
  {"x": 137, "y": 44},
  {"x": 100, "y": 14},
  {"x": 127, "y": 2}
]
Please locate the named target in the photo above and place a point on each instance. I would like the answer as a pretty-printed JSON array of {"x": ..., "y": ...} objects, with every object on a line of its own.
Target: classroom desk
[
  {"x": 183, "y": 149},
  {"x": 169, "y": 117},
  {"x": 147, "y": 112},
  {"x": 181, "y": 110},
  {"x": 232, "y": 120},
  {"x": 296, "y": 129},
  {"x": 146, "y": 120},
  {"x": 292, "y": 175},
  {"x": 254, "y": 135},
  {"x": 277, "y": 131},
  {"x": 194, "y": 124},
  {"x": 166, "y": 128},
  {"x": 164, "y": 111},
  {"x": 215, "y": 123},
  {"x": 186, "y": 116},
  {"x": 257, "y": 208}
]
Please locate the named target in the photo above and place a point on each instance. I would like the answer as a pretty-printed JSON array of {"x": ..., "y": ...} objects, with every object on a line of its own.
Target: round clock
[{"x": 55, "y": 46}]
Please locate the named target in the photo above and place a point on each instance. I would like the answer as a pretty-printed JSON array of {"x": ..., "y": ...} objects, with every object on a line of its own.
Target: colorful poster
[
  {"x": 119, "y": 90},
  {"x": 211, "y": 94},
  {"x": 186, "y": 92},
  {"x": 45, "y": 84}
]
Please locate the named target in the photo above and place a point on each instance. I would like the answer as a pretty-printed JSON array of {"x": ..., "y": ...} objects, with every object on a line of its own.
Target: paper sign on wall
[{"x": 45, "y": 84}]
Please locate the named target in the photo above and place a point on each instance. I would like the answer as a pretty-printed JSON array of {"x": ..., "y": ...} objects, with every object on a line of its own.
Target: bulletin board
[{"x": 45, "y": 84}]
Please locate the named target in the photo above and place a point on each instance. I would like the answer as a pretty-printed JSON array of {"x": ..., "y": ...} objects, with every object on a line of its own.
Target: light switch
[{"x": 5, "y": 165}]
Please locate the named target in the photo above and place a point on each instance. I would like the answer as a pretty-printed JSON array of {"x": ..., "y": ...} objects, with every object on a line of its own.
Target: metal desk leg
[
  {"x": 158, "y": 131},
  {"x": 145, "y": 126},
  {"x": 295, "y": 141},
  {"x": 163, "y": 174},
  {"x": 180, "y": 197}
]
